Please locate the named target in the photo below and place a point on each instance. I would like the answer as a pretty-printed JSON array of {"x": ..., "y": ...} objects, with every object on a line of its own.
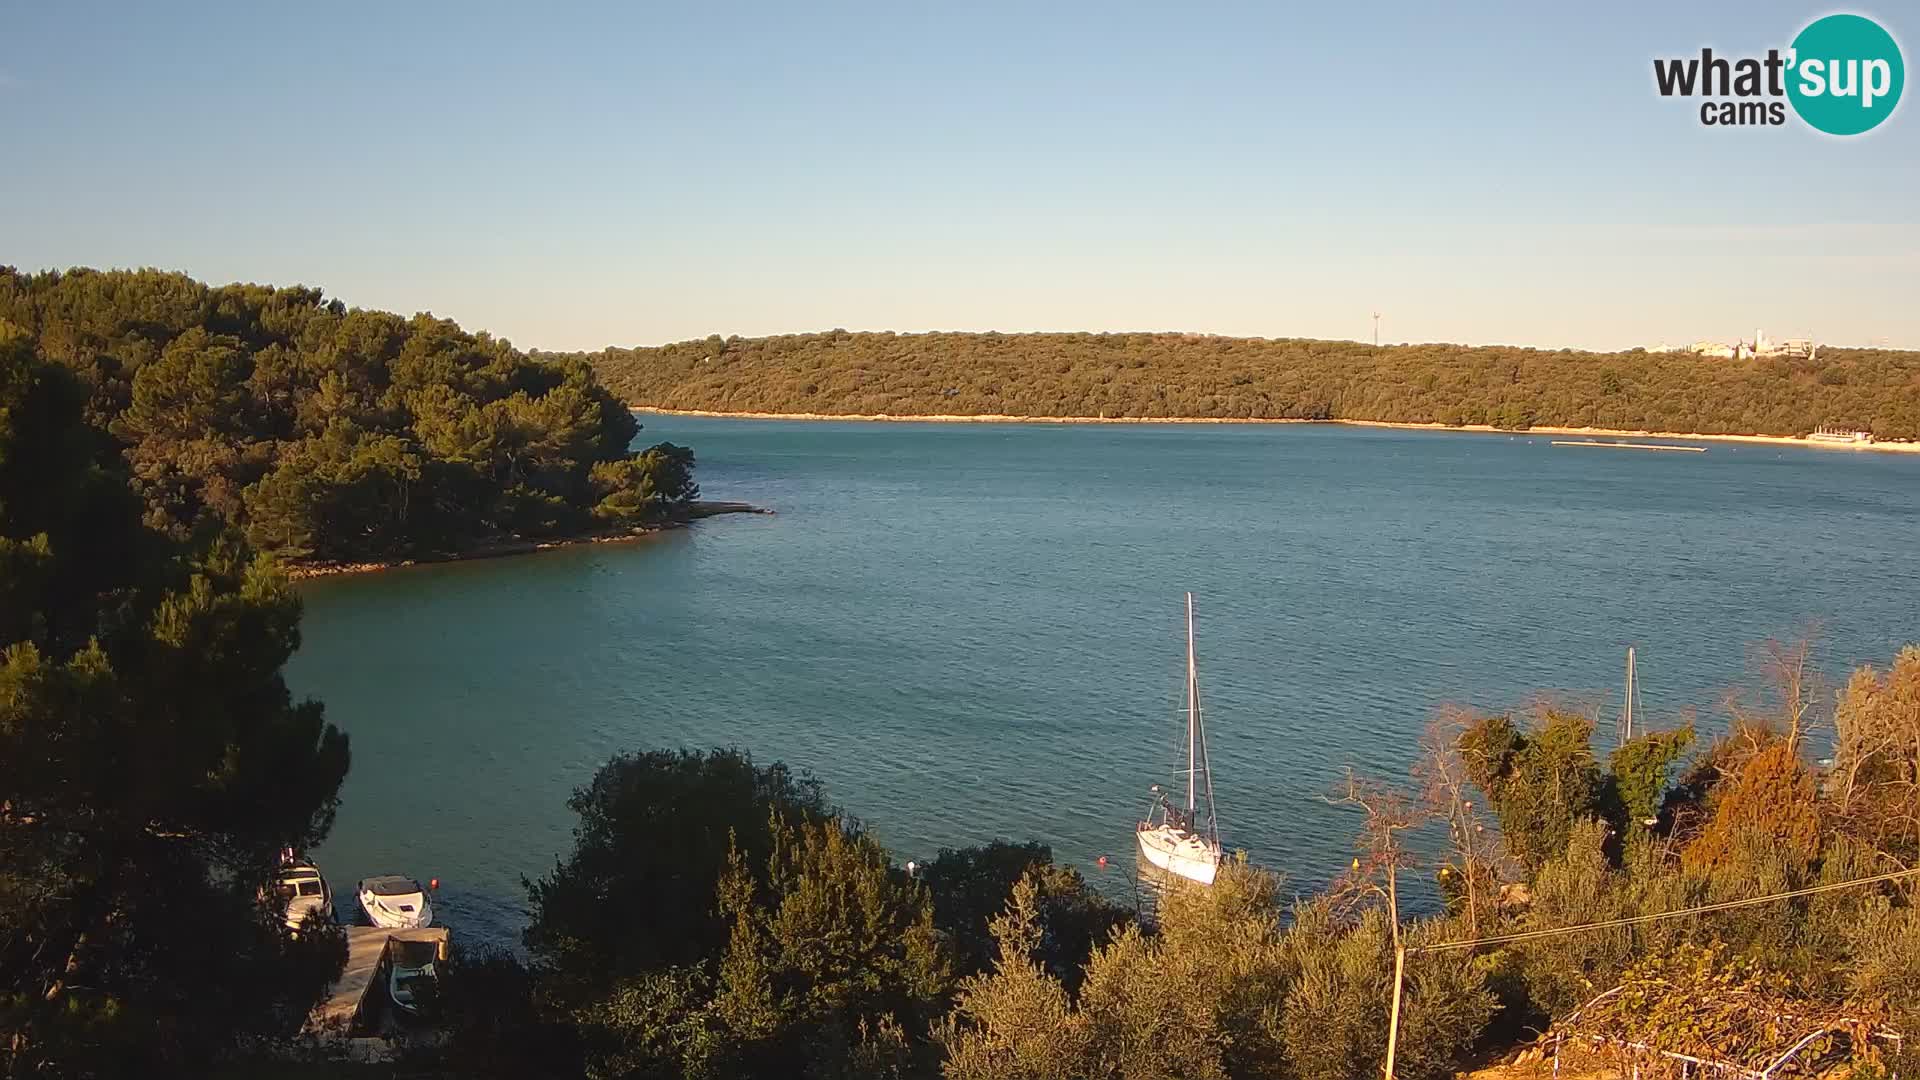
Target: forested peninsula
[
  {"x": 328, "y": 434},
  {"x": 1117, "y": 376}
]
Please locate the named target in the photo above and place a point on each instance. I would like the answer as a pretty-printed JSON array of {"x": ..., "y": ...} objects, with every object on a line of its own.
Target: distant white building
[
  {"x": 1761, "y": 345},
  {"x": 1841, "y": 436}
]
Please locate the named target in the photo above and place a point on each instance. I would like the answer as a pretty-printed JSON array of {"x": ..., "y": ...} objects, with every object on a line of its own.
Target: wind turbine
[{"x": 1376, "y": 329}]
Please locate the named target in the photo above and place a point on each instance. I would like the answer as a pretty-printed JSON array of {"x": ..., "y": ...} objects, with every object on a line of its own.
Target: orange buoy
[
  {"x": 433, "y": 883},
  {"x": 1102, "y": 860}
]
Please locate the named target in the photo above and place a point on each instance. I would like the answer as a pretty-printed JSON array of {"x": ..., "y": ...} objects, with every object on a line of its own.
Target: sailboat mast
[
  {"x": 1193, "y": 707},
  {"x": 1626, "y": 713}
]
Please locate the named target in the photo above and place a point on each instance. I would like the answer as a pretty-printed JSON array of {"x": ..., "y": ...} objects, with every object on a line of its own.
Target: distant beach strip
[{"x": 1483, "y": 429}]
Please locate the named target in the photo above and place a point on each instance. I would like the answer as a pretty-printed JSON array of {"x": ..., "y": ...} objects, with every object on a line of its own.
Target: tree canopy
[
  {"x": 656, "y": 833},
  {"x": 1195, "y": 375},
  {"x": 152, "y": 763},
  {"x": 333, "y": 433}
]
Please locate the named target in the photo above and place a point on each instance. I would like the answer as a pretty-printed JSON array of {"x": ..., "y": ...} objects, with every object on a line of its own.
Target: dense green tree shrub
[
  {"x": 655, "y": 832},
  {"x": 1640, "y": 773},
  {"x": 333, "y": 434},
  {"x": 1223, "y": 989},
  {"x": 152, "y": 763},
  {"x": 970, "y": 887},
  {"x": 1540, "y": 782}
]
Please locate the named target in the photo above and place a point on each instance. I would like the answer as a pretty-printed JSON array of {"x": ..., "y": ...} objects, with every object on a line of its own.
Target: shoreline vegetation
[
  {"x": 1561, "y": 856},
  {"x": 1172, "y": 377},
  {"x": 153, "y": 761},
  {"x": 329, "y": 436},
  {"x": 1481, "y": 429},
  {"x": 510, "y": 546}
]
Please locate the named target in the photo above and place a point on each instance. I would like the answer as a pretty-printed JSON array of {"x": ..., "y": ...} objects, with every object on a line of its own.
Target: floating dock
[
  {"x": 356, "y": 1005},
  {"x": 1631, "y": 445}
]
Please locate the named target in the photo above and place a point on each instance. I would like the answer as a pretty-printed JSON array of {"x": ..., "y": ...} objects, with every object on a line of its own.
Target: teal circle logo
[{"x": 1846, "y": 74}]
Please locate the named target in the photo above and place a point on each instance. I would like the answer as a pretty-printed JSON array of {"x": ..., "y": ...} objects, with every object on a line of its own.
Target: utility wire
[{"x": 1528, "y": 935}]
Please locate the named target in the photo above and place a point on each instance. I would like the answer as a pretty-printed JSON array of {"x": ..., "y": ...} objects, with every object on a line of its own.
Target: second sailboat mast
[{"x": 1193, "y": 710}]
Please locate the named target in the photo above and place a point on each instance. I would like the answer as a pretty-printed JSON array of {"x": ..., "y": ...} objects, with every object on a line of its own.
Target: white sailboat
[{"x": 1181, "y": 841}]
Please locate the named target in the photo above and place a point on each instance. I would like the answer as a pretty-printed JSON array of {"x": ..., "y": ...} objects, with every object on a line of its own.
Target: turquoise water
[{"x": 971, "y": 631}]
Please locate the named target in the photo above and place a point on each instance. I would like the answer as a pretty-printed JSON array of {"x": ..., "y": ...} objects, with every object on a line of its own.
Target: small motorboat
[
  {"x": 301, "y": 893},
  {"x": 395, "y": 902},
  {"x": 413, "y": 978}
]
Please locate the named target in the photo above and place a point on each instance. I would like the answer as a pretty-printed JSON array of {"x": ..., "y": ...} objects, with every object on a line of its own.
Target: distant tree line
[
  {"x": 333, "y": 434},
  {"x": 1188, "y": 375}
]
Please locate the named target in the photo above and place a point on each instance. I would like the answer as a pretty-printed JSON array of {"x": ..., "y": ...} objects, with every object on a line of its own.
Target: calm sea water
[{"x": 974, "y": 631}]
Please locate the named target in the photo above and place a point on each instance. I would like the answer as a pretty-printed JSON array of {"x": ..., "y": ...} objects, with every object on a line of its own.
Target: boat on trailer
[{"x": 1186, "y": 840}]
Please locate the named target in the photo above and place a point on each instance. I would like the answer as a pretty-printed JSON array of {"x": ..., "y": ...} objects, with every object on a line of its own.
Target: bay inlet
[{"x": 974, "y": 631}]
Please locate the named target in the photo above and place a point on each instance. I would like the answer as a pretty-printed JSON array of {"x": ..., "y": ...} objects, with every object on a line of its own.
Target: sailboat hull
[
  {"x": 1179, "y": 852},
  {"x": 1186, "y": 844}
]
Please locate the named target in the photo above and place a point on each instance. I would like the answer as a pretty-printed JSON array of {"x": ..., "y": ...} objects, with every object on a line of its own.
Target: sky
[{"x": 576, "y": 176}]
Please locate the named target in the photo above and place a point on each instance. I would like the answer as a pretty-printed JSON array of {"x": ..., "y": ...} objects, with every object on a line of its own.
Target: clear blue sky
[{"x": 576, "y": 176}]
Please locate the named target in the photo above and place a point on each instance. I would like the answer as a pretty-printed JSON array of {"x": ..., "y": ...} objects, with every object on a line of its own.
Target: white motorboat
[
  {"x": 395, "y": 902},
  {"x": 301, "y": 893},
  {"x": 1182, "y": 841}
]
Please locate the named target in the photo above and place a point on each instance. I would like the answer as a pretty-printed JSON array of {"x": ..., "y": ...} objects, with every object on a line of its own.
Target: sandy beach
[{"x": 1487, "y": 429}]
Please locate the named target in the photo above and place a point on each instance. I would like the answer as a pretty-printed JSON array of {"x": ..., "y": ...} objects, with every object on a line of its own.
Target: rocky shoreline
[{"x": 504, "y": 548}]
